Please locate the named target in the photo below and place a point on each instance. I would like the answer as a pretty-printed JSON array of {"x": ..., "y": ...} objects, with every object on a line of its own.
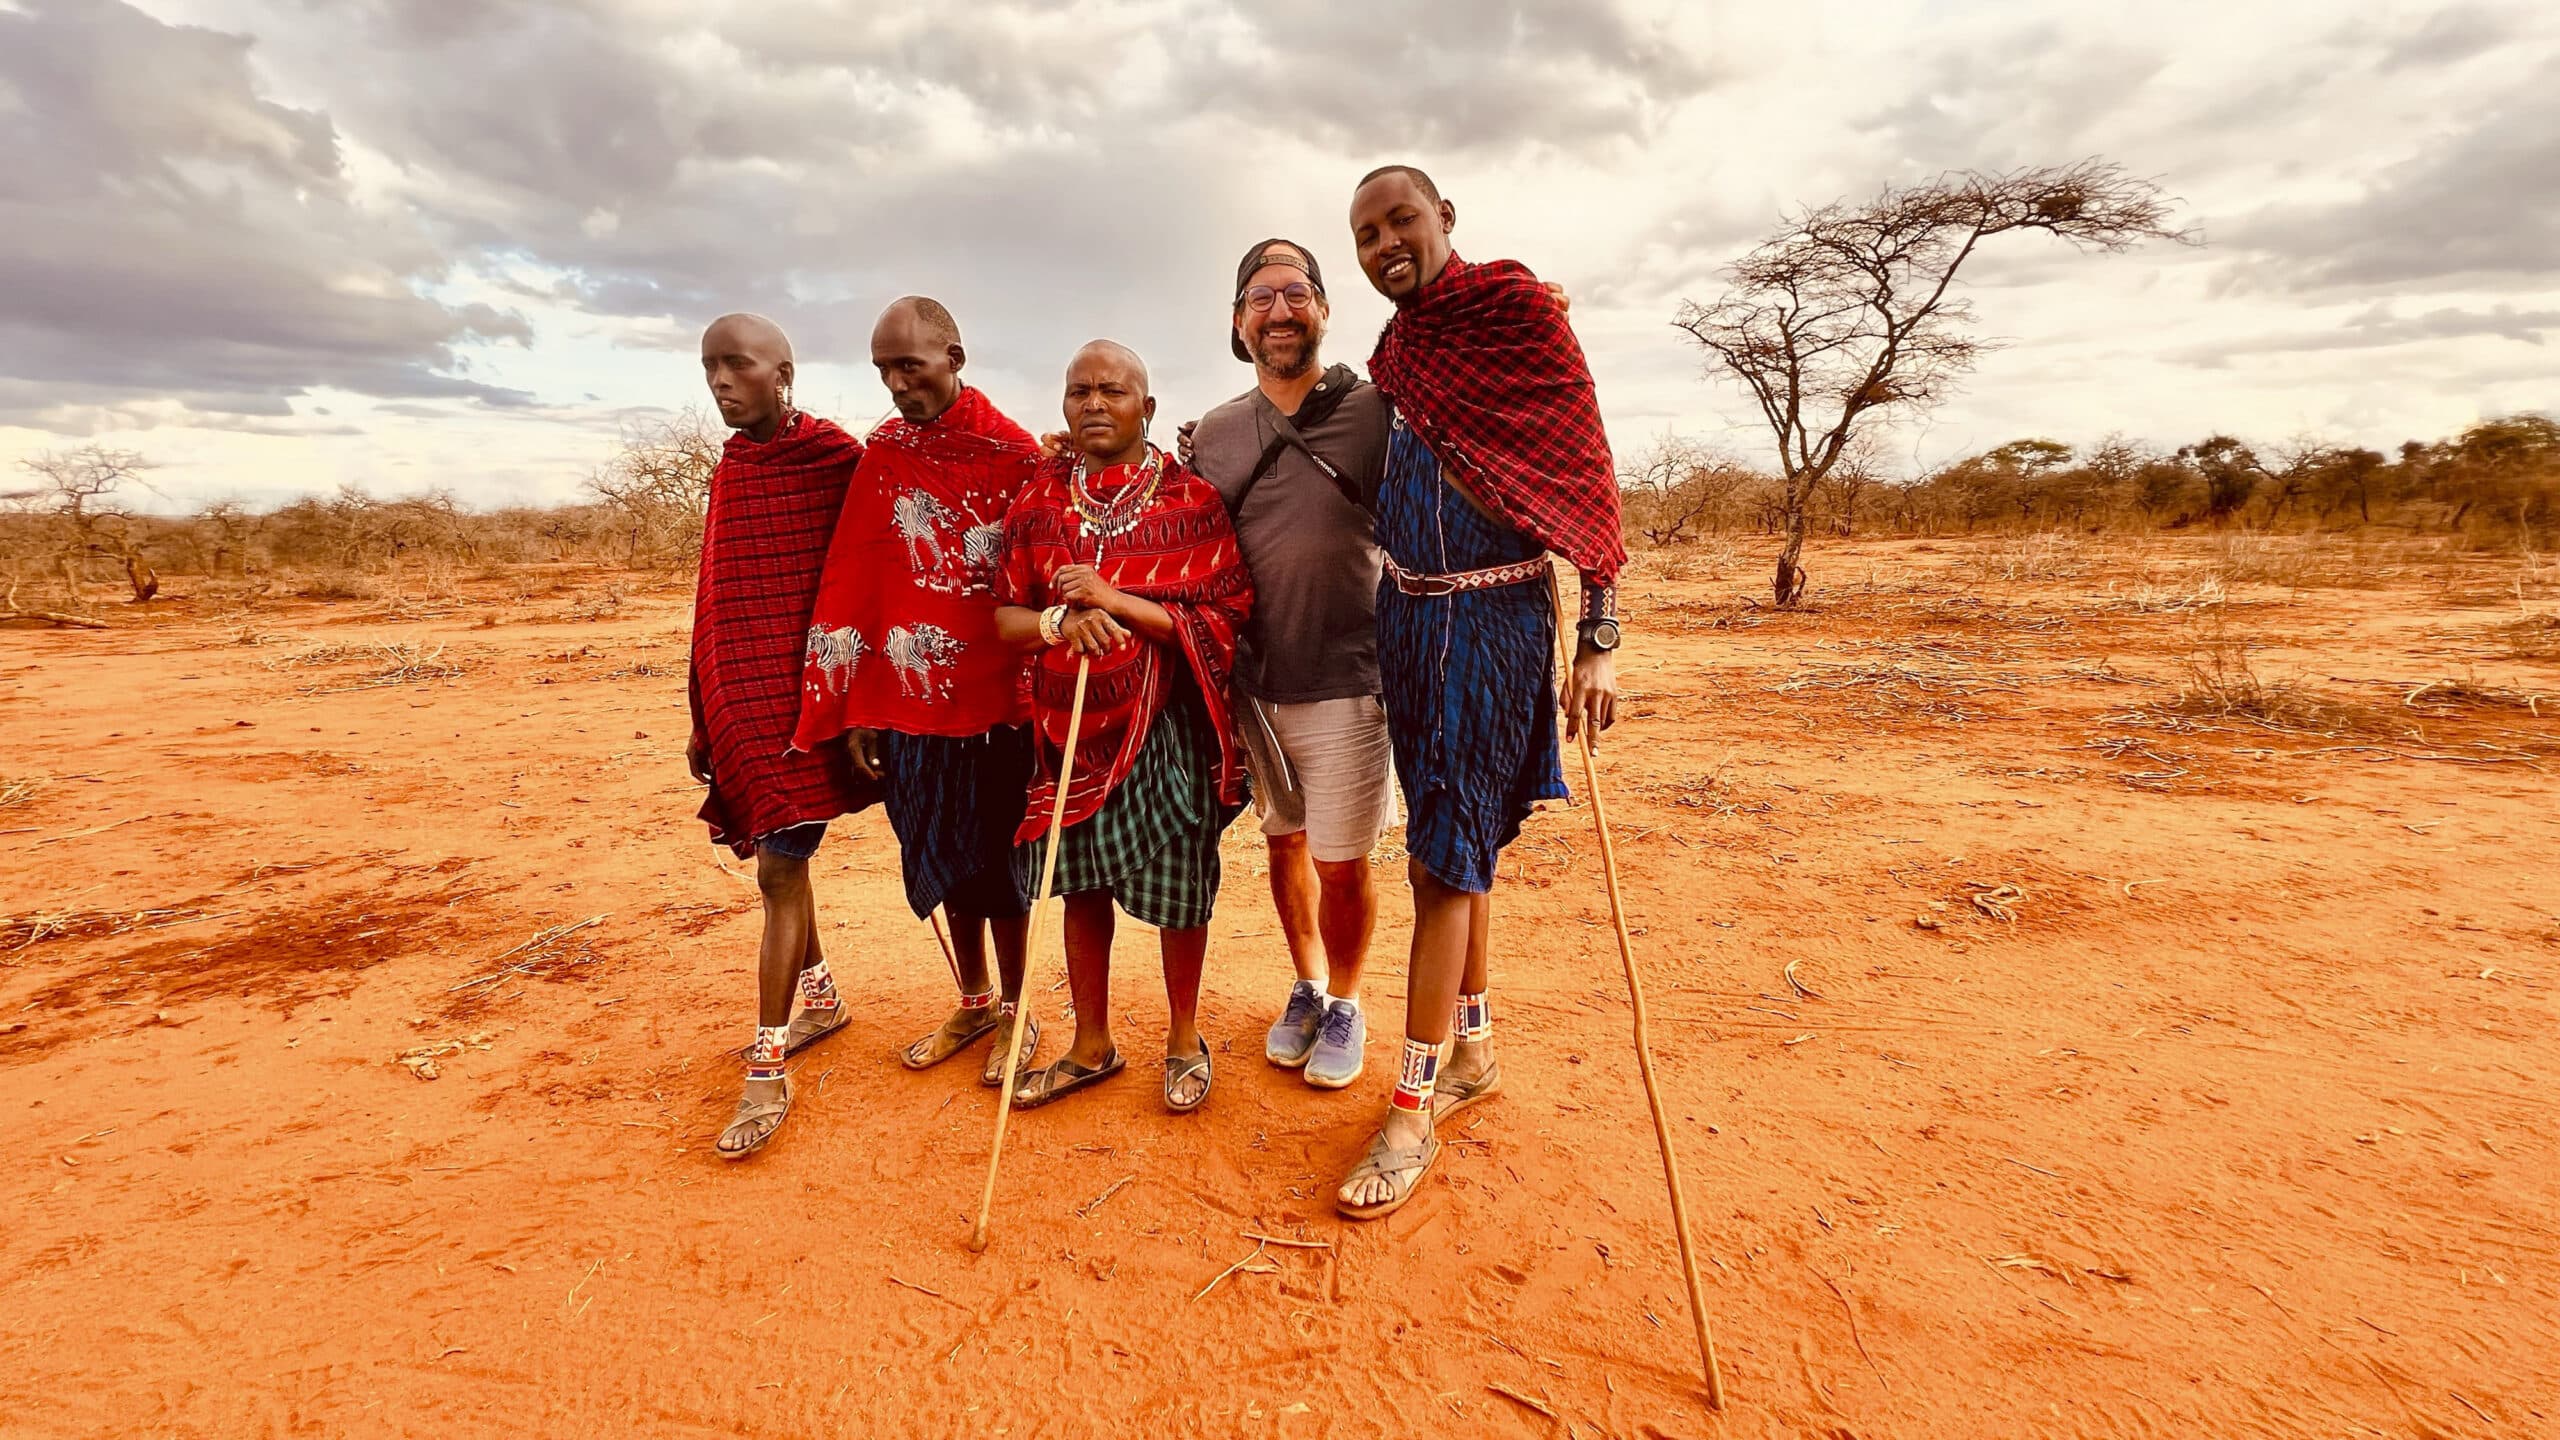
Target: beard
[{"x": 1287, "y": 356}]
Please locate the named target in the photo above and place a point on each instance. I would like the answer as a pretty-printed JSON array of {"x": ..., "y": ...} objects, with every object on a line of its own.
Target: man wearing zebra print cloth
[{"x": 905, "y": 670}]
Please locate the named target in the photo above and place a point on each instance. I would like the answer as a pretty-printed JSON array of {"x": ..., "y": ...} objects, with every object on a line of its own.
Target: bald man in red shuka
[{"x": 774, "y": 501}]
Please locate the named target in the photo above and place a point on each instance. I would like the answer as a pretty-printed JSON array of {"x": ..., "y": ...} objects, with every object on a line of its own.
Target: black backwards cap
[{"x": 1274, "y": 251}]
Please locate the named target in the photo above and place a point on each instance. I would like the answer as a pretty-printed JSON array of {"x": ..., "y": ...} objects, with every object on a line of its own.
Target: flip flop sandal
[
  {"x": 1384, "y": 1163},
  {"x": 1450, "y": 1098},
  {"x": 1059, "y": 1079},
  {"x": 759, "y": 1120},
  {"x": 993, "y": 1075},
  {"x": 1178, "y": 1068},
  {"x": 811, "y": 1026},
  {"x": 940, "y": 1045}
]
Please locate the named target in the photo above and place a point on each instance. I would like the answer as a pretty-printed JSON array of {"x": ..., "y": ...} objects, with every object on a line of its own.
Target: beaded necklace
[{"x": 1103, "y": 520}]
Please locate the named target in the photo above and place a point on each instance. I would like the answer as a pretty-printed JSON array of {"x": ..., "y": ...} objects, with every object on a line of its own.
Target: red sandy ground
[{"x": 2242, "y": 1126}]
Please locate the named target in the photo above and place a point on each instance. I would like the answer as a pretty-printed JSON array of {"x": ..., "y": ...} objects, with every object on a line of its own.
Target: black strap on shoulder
[{"x": 1320, "y": 404}]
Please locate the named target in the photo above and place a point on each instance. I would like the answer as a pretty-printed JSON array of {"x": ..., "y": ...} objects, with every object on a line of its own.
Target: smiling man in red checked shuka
[
  {"x": 904, "y": 664},
  {"x": 1496, "y": 460},
  {"x": 774, "y": 501}
]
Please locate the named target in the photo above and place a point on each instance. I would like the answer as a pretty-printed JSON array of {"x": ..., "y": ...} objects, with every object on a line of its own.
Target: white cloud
[{"x": 476, "y": 231}]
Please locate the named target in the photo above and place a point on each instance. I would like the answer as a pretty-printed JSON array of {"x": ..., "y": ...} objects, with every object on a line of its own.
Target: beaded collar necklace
[{"x": 1103, "y": 520}]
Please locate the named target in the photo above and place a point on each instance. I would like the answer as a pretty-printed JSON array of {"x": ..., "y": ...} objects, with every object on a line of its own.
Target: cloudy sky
[{"x": 283, "y": 244}]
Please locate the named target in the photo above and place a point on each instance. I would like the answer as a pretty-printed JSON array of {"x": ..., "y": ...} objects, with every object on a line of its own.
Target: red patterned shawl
[
  {"x": 764, "y": 540},
  {"x": 1484, "y": 367},
  {"x": 1183, "y": 556},
  {"x": 903, "y": 636}
]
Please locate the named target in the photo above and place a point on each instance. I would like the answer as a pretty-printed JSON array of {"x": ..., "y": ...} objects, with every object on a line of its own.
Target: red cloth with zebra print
[
  {"x": 903, "y": 635},
  {"x": 1181, "y": 554}
]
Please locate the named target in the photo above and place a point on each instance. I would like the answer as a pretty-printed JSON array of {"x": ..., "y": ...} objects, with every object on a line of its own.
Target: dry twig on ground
[{"x": 393, "y": 662}]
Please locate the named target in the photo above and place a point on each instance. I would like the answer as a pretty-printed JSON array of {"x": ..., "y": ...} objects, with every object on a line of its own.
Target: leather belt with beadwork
[{"x": 1491, "y": 578}]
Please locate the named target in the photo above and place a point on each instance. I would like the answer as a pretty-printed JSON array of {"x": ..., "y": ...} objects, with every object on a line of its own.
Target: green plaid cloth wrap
[{"x": 1154, "y": 843}]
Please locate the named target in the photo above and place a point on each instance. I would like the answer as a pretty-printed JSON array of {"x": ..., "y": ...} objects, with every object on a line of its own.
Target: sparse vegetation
[
  {"x": 2531, "y": 637},
  {"x": 2222, "y": 681}
]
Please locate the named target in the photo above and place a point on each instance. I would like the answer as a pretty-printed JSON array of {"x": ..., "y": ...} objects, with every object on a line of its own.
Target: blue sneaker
[
  {"x": 1342, "y": 1043},
  {"x": 1294, "y": 1033}
]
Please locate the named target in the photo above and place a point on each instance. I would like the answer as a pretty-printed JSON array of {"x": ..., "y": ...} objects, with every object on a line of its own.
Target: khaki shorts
[{"x": 1325, "y": 768}]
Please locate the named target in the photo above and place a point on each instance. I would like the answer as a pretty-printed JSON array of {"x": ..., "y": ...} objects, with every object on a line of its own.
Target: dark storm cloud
[
  {"x": 173, "y": 233},
  {"x": 180, "y": 234},
  {"x": 1436, "y": 76},
  {"x": 2482, "y": 207}
]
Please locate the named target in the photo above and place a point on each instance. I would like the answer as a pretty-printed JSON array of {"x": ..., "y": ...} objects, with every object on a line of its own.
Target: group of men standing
[{"x": 1339, "y": 584}]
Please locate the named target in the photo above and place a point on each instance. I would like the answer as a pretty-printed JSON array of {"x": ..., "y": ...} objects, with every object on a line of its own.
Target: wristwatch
[{"x": 1600, "y": 634}]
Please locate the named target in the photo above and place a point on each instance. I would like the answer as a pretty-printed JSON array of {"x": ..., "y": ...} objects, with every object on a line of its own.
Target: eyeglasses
[{"x": 1298, "y": 293}]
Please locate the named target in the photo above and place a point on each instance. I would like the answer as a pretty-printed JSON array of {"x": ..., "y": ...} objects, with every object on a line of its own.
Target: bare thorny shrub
[
  {"x": 658, "y": 487},
  {"x": 2531, "y": 637},
  {"x": 2222, "y": 681}
]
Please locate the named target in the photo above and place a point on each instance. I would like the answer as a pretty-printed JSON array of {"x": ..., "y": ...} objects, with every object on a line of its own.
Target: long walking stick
[
  {"x": 1644, "y": 1040},
  {"x": 1652, "y": 1092},
  {"x": 934, "y": 918},
  {"x": 1030, "y": 947}
]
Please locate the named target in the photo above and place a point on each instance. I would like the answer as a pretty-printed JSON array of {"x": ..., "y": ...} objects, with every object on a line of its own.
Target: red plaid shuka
[
  {"x": 1483, "y": 366},
  {"x": 764, "y": 542},
  {"x": 903, "y": 636},
  {"x": 1182, "y": 555}
]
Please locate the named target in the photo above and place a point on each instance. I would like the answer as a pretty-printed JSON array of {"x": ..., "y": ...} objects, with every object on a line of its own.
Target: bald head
[
  {"x": 1108, "y": 406},
  {"x": 924, "y": 312},
  {"x": 916, "y": 348},
  {"x": 1113, "y": 357},
  {"x": 746, "y": 360},
  {"x": 754, "y": 333}
]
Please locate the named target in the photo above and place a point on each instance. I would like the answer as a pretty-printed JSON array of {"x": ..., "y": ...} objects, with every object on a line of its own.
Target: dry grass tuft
[
  {"x": 17, "y": 932},
  {"x": 2444, "y": 696},
  {"x": 2530, "y": 637},
  {"x": 2044, "y": 555},
  {"x": 2150, "y": 597},
  {"x": 20, "y": 791},
  {"x": 392, "y": 662},
  {"x": 340, "y": 585},
  {"x": 1699, "y": 560},
  {"x": 2223, "y": 683}
]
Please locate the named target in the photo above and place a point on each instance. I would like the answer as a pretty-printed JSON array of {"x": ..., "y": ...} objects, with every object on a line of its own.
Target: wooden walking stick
[
  {"x": 1652, "y": 1091},
  {"x": 1644, "y": 1046},
  {"x": 934, "y": 918},
  {"x": 1031, "y": 947}
]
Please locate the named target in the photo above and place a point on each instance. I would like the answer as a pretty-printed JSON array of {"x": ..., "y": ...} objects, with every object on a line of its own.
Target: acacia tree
[
  {"x": 659, "y": 487},
  {"x": 1848, "y": 313},
  {"x": 77, "y": 494}
]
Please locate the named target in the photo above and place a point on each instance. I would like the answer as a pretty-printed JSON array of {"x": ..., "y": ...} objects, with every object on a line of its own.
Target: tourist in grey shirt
[{"x": 1297, "y": 459}]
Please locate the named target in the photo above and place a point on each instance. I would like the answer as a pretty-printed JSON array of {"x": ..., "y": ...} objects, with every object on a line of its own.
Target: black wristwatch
[{"x": 1600, "y": 634}]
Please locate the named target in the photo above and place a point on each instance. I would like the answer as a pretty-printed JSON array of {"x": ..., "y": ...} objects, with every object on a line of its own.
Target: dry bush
[
  {"x": 2168, "y": 597},
  {"x": 603, "y": 605},
  {"x": 2223, "y": 682},
  {"x": 2323, "y": 561},
  {"x": 339, "y": 585},
  {"x": 2038, "y": 555},
  {"x": 2531, "y": 637},
  {"x": 2469, "y": 691},
  {"x": 1689, "y": 560}
]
